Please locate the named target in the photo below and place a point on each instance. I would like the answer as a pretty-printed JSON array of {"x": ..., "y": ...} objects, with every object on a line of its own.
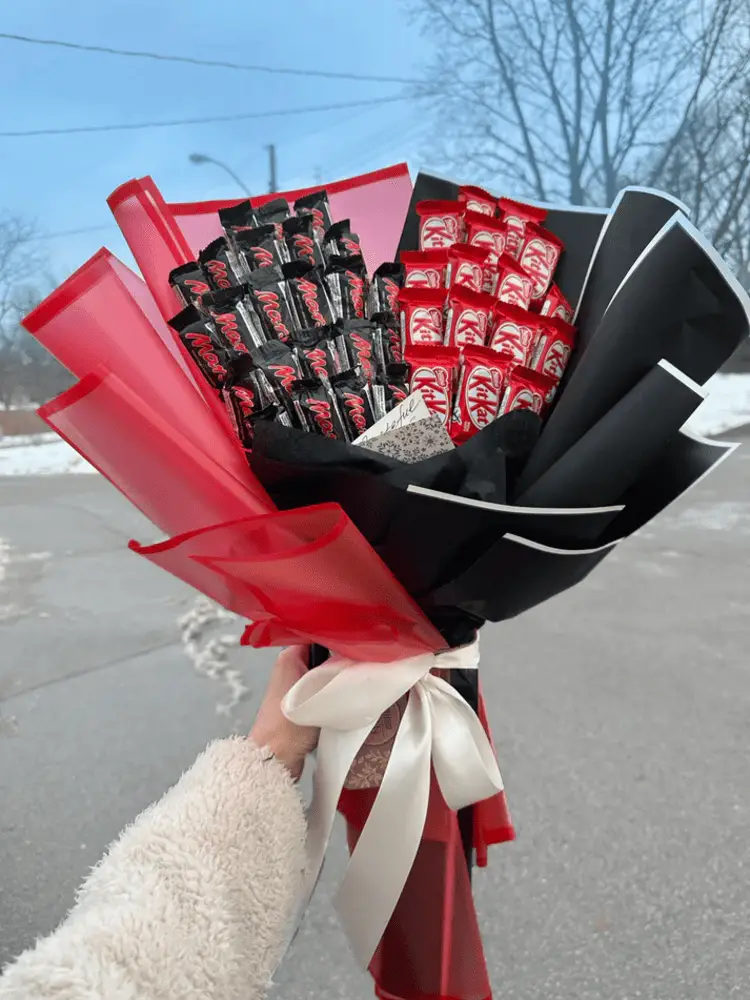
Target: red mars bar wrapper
[
  {"x": 384, "y": 288},
  {"x": 395, "y": 382},
  {"x": 200, "y": 341},
  {"x": 539, "y": 255},
  {"x": 222, "y": 265},
  {"x": 299, "y": 239},
  {"x": 480, "y": 390},
  {"x": 475, "y": 199},
  {"x": 466, "y": 265},
  {"x": 259, "y": 247},
  {"x": 554, "y": 347},
  {"x": 425, "y": 268},
  {"x": 237, "y": 218},
  {"x": 316, "y": 349},
  {"x": 189, "y": 283},
  {"x": 346, "y": 283},
  {"x": 274, "y": 213},
  {"x": 243, "y": 400},
  {"x": 388, "y": 323},
  {"x": 363, "y": 345},
  {"x": 340, "y": 241},
  {"x": 468, "y": 318},
  {"x": 433, "y": 371},
  {"x": 513, "y": 284},
  {"x": 308, "y": 294},
  {"x": 516, "y": 215},
  {"x": 422, "y": 320},
  {"x": 316, "y": 408},
  {"x": 440, "y": 224},
  {"x": 514, "y": 331},
  {"x": 355, "y": 408},
  {"x": 526, "y": 390},
  {"x": 234, "y": 319},
  {"x": 556, "y": 305},
  {"x": 269, "y": 295},
  {"x": 316, "y": 203},
  {"x": 278, "y": 363}
]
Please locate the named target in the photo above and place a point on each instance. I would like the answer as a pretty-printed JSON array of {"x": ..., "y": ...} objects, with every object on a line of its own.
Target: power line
[
  {"x": 74, "y": 232},
  {"x": 313, "y": 109},
  {"x": 192, "y": 61}
]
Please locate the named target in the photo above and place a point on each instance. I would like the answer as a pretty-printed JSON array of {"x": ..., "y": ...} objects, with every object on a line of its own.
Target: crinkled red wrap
[{"x": 142, "y": 415}]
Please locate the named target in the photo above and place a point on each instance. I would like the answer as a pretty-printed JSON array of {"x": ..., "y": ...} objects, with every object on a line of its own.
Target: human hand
[{"x": 288, "y": 742}]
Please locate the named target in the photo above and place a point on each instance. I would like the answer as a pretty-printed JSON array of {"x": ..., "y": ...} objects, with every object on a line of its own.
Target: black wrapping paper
[
  {"x": 636, "y": 218},
  {"x": 521, "y": 513},
  {"x": 677, "y": 303},
  {"x": 613, "y": 455},
  {"x": 514, "y": 516}
]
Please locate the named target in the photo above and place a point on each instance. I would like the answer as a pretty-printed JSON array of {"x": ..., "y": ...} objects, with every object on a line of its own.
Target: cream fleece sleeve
[{"x": 192, "y": 901}]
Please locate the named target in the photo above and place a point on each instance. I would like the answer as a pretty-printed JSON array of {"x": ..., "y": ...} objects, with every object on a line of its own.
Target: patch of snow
[
  {"x": 727, "y": 405},
  {"x": 17, "y": 440},
  {"x": 39, "y": 455},
  {"x": 4, "y": 558},
  {"x": 210, "y": 655}
]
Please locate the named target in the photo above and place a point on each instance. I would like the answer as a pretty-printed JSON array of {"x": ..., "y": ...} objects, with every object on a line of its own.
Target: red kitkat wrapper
[
  {"x": 556, "y": 305},
  {"x": 475, "y": 199},
  {"x": 469, "y": 317},
  {"x": 513, "y": 285},
  {"x": 433, "y": 371},
  {"x": 540, "y": 253},
  {"x": 480, "y": 390},
  {"x": 440, "y": 224},
  {"x": 553, "y": 348},
  {"x": 516, "y": 216},
  {"x": 422, "y": 320},
  {"x": 526, "y": 390},
  {"x": 466, "y": 265},
  {"x": 514, "y": 330},
  {"x": 425, "y": 268},
  {"x": 483, "y": 231}
]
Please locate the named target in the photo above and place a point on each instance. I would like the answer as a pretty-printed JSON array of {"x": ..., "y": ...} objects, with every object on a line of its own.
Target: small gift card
[
  {"x": 413, "y": 442},
  {"x": 410, "y": 409}
]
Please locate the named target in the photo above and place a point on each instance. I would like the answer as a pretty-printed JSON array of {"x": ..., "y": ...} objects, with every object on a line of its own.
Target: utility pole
[{"x": 272, "y": 185}]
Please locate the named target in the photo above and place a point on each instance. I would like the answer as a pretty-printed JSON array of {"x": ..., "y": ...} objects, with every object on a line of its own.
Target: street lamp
[{"x": 199, "y": 158}]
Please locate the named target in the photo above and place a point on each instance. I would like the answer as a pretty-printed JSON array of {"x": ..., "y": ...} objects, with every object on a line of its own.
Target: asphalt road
[{"x": 621, "y": 711}]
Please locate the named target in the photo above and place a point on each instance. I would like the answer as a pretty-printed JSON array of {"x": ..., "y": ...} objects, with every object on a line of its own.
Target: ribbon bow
[{"x": 344, "y": 699}]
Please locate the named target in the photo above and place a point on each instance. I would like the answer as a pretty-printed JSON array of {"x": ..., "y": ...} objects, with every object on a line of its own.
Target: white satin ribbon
[{"x": 344, "y": 699}]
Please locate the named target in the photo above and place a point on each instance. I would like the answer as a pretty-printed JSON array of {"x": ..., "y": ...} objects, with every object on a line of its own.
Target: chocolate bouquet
[{"x": 370, "y": 418}]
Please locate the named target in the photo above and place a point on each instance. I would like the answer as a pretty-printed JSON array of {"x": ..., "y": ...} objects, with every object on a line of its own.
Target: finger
[{"x": 291, "y": 664}]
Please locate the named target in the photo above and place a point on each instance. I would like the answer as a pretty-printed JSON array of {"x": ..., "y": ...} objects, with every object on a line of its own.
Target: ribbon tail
[
  {"x": 465, "y": 764},
  {"x": 381, "y": 862},
  {"x": 335, "y": 756}
]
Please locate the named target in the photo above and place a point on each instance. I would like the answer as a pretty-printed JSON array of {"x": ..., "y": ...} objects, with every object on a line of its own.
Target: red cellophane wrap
[{"x": 142, "y": 415}]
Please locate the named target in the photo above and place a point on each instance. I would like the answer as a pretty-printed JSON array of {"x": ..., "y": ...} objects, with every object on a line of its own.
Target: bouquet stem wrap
[{"x": 439, "y": 731}]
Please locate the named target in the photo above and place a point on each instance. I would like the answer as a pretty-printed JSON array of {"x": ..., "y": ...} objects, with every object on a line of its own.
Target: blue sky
[{"x": 62, "y": 182}]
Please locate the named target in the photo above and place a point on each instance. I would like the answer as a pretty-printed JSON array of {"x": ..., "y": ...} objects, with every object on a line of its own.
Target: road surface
[{"x": 621, "y": 712}]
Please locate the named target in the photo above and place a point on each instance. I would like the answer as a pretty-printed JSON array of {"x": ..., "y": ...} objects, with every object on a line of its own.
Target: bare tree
[
  {"x": 569, "y": 99},
  {"x": 709, "y": 169},
  {"x": 21, "y": 262},
  {"x": 28, "y": 373}
]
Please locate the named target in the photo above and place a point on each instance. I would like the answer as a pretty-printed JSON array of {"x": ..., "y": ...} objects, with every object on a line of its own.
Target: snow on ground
[
  {"x": 39, "y": 455},
  {"x": 727, "y": 407}
]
